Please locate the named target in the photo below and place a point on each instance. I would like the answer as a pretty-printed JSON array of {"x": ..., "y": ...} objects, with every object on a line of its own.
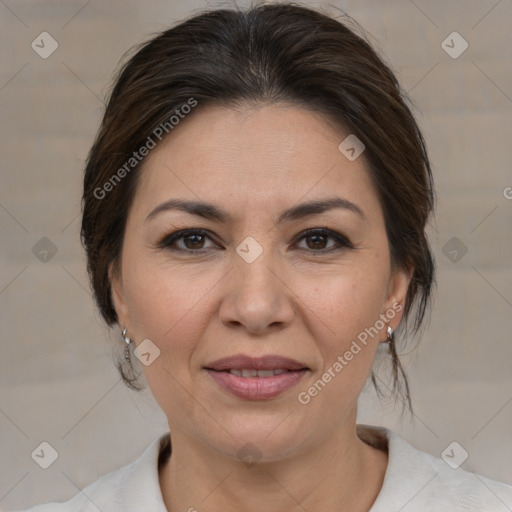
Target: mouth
[
  {"x": 256, "y": 373},
  {"x": 245, "y": 363},
  {"x": 256, "y": 378}
]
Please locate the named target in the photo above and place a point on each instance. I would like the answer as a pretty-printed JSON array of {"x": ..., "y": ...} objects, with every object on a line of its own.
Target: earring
[
  {"x": 127, "y": 341},
  {"x": 390, "y": 339}
]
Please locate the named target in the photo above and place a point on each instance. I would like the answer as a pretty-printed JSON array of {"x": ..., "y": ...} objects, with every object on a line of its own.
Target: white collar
[{"x": 414, "y": 480}]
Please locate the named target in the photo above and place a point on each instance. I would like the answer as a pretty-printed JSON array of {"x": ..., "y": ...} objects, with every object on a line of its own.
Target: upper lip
[{"x": 245, "y": 362}]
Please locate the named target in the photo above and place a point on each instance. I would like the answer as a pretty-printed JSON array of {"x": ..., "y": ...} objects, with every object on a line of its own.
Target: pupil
[
  {"x": 317, "y": 237},
  {"x": 196, "y": 237}
]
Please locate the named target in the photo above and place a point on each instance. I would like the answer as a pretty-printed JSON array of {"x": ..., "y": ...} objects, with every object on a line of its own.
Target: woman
[{"x": 254, "y": 216}]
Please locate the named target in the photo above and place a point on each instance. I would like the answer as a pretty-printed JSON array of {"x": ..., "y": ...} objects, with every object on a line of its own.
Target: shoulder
[
  {"x": 420, "y": 481},
  {"x": 92, "y": 498},
  {"x": 129, "y": 488},
  {"x": 458, "y": 489},
  {"x": 102, "y": 494}
]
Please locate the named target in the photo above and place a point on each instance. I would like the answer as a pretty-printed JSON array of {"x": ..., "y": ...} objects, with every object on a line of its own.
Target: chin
[{"x": 257, "y": 442}]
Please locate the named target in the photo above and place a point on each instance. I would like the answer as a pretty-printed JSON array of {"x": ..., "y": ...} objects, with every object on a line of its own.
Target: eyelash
[{"x": 168, "y": 240}]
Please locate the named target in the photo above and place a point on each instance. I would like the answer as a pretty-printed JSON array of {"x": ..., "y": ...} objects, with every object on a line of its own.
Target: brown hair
[{"x": 269, "y": 53}]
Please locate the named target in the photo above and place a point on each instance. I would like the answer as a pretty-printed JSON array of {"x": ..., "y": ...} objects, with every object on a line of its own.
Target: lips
[
  {"x": 242, "y": 362},
  {"x": 260, "y": 378},
  {"x": 256, "y": 373}
]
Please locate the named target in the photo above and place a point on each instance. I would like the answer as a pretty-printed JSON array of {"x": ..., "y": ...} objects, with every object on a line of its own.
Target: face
[{"x": 255, "y": 284}]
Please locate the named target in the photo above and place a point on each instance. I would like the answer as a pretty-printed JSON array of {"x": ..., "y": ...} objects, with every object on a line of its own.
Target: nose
[{"x": 256, "y": 296}]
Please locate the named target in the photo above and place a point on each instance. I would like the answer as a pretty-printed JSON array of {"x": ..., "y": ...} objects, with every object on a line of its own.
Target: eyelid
[
  {"x": 179, "y": 234},
  {"x": 341, "y": 240},
  {"x": 171, "y": 238}
]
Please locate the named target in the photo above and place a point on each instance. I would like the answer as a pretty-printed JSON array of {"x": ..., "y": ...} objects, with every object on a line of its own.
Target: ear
[
  {"x": 397, "y": 293},
  {"x": 119, "y": 298}
]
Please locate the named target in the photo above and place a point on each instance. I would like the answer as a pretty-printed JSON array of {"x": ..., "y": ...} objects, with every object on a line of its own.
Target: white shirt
[{"x": 414, "y": 482}]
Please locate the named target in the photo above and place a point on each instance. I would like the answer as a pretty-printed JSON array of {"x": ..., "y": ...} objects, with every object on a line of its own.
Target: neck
[{"x": 343, "y": 473}]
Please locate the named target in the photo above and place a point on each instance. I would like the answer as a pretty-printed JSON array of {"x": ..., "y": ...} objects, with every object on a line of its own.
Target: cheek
[
  {"x": 170, "y": 306},
  {"x": 350, "y": 302},
  {"x": 161, "y": 297},
  {"x": 342, "y": 313},
  {"x": 345, "y": 311},
  {"x": 165, "y": 307}
]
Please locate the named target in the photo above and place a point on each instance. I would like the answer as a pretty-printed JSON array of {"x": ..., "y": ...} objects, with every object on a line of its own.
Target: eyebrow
[{"x": 212, "y": 212}]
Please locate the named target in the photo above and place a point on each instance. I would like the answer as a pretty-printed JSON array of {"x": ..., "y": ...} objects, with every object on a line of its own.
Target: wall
[{"x": 58, "y": 380}]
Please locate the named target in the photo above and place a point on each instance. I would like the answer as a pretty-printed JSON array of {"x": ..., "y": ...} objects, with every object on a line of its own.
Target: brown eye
[
  {"x": 317, "y": 240},
  {"x": 193, "y": 241}
]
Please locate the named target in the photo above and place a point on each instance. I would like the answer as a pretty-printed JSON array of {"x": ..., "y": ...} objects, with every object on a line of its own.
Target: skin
[{"x": 256, "y": 161}]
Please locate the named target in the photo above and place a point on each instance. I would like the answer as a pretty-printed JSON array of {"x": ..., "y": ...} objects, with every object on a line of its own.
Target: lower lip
[{"x": 257, "y": 388}]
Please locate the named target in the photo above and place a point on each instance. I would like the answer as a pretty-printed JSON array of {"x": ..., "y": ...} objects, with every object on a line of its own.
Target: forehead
[{"x": 263, "y": 156}]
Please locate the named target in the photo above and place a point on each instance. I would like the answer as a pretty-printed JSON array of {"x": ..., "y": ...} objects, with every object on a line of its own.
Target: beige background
[{"x": 58, "y": 380}]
